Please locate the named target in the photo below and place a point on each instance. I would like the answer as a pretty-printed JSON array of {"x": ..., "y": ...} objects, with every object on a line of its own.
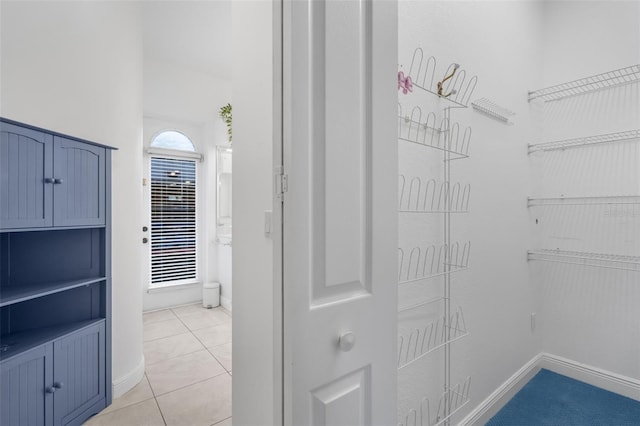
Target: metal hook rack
[{"x": 454, "y": 86}]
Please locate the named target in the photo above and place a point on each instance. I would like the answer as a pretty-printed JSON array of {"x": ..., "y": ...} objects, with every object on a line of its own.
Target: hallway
[{"x": 187, "y": 353}]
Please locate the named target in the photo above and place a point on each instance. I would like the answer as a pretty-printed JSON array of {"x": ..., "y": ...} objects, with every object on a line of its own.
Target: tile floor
[{"x": 187, "y": 381}]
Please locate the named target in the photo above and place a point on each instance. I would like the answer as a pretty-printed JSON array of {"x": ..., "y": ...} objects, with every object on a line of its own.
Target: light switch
[{"x": 267, "y": 223}]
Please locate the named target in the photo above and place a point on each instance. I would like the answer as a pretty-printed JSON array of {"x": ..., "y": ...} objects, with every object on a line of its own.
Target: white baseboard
[
  {"x": 494, "y": 402},
  {"x": 603, "y": 379},
  {"x": 124, "y": 384},
  {"x": 226, "y": 303},
  {"x": 595, "y": 376}
]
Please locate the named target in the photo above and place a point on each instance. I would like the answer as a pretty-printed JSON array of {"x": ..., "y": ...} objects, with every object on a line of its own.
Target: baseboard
[
  {"x": 226, "y": 303},
  {"x": 603, "y": 379},
  {"x": 595, "y": 376},
  {"x": 125, "y": 383},
  {"x": 494, "y": 402}
]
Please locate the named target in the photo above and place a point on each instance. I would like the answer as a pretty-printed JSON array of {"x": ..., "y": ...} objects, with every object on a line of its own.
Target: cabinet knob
[
  {"x": 49, "y": 180},
  {"x": 145, "y": 229},
  {"x": 58, "y": 385},
  {"x": 50, "y": 389},
  {"x": 58, "y": 181},
  {"x": 145, "y": 240}
]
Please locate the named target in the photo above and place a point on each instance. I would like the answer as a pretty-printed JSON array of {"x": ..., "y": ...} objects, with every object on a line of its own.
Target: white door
[{"x": 340, "y": 224}]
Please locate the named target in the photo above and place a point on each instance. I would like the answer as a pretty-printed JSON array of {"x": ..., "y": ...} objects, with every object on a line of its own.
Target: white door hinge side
[{"x": 281, "y": 182}]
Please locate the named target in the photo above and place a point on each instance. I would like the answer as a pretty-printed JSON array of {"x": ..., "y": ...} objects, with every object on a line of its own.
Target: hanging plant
[{"x": 225, "y": 113}]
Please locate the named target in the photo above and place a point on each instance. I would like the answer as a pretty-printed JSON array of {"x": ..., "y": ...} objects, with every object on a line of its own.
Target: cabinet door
[
  {"x": 25, "y": 177},
  {"x": 24, "y": 381},
  {"x": 79, "y": 187},
  {"x": 79, "y": 373}
]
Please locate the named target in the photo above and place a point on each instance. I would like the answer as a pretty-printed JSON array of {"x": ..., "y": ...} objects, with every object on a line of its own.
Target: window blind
[{"x": 173, "y": 220}]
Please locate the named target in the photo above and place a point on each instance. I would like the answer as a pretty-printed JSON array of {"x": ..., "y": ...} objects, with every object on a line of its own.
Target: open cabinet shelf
[
  {"x": 599, "y": 260},
  {"x": 625, "y": 136},
  {"x": 21, "y": 293},
  {"x": 17, "y": 343},
  {"x": 606, "y": 80}
]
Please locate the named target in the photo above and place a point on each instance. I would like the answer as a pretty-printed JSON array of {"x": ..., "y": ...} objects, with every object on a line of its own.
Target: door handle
[{"x": 346, "y": 341}]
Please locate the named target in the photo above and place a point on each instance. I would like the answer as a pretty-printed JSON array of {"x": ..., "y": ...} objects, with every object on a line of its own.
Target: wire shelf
[
  {"x": 605, "y": 80},
  {"x": 599, "y": 260},
  {"x": 452, "y": 400},
  {"x": 584, "y": 201},
  {"x": 625, "y": 136},
  {"x": 432, "y": 197},
  {"x": 457, "y": 89},
  {"x": 493, "y": 110},
  {"x": 435, "y": 335},
  {"x": 423, "y": 263},
  {"x": 442, "y": 136}
]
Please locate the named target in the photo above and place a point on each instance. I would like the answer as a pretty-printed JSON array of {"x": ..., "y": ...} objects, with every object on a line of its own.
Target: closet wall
[
  {"x": 584, "y": 314},
  {"x": 589, "y": 314},
  {"x": 493, "y": 41}
]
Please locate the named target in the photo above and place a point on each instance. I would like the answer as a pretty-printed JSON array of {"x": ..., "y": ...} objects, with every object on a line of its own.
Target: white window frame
[{"x": 152, "y": 152}]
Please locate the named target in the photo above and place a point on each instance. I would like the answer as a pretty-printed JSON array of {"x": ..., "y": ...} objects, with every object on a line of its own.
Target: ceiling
[{"x": 195, "y": 34}]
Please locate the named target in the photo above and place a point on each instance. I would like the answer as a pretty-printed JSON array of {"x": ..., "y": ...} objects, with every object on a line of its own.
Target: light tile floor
[{"x": 187, "y": 381}]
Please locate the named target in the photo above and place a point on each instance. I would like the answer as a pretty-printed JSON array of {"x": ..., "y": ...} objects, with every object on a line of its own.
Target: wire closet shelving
[
  {"x": 599, "y": 260},
  {"x": 597, "y": 82},
  {"x": 421, "y": 265},
  {"x": 626, "y": 136},
  {"x": 606, "y": 80}
]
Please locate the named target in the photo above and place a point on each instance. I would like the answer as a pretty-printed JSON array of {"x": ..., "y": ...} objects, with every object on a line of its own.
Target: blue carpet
[{"x": 550, "y": 399}]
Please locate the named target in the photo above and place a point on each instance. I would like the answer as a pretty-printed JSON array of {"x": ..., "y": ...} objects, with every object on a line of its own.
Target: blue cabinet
[
  {"x": 26, "y": 171},
  {"x": 24, "y": 381},
  {"x": 55, "y": 277},
  {"x": 49, "y": 180},
  {"x": 79, "y": 183}
]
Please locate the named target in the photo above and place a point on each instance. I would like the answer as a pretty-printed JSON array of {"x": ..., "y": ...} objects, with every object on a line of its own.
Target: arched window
[
  {"x": 174, "y": 234},
  {"x": 170, "y": 139}
]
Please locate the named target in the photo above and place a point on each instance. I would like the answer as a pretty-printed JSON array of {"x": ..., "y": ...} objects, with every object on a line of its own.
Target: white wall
[
  {"x": 76, "y": 68},
  {"x": 186, "y": 99},
  {"x": 497, "y": 41},
  {"x": 590, "y": 315},
  {"x": 255, "y": 374}
]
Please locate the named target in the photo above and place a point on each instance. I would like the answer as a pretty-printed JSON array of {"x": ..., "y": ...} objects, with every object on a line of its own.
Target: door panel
[
  {"x": 23, "y": 383},
  {"x": 79, "y": 187},
  {"x": 25, "y": 165},
  {"x": 340, "y": 235},
  {"x": 339, "y": 78},
  {"x": 79, "y": 366}
]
